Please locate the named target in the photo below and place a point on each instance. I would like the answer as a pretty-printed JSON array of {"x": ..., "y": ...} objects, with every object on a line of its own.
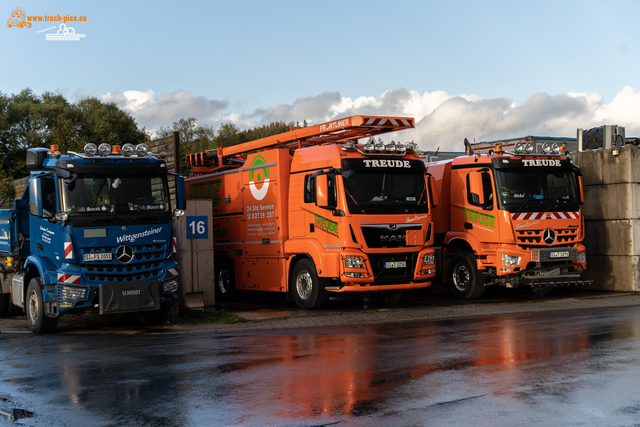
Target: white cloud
[
  {"x": 442, "y": 120},
  {"x": 153, "y": 111}
]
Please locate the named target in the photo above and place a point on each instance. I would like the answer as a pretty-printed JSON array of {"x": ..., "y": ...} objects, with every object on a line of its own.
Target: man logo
[
  {"x": 259, "y": 193},
  {"x": 549, "y": 236}
]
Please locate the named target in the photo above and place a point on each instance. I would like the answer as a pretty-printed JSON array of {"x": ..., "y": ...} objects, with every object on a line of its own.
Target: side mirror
[
  {"x": 433, "y": 195},
  {"x": 581, "y": 189},
  {"x": 181, "y": 193},
  {"x": 35, "y": 197},
  {"x": 476, "y": 188},
  {"x": 322, "y": 191}
]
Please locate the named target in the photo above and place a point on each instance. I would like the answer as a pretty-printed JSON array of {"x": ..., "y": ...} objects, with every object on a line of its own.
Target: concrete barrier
[{"x": 612, "y": 217}]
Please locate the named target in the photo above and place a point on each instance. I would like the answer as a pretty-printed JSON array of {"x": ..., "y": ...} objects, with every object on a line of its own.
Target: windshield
[
  {"x": 386, "y": 192},
  {"x": 540, "y": 190},
  {"x": 115, "y": 193}
]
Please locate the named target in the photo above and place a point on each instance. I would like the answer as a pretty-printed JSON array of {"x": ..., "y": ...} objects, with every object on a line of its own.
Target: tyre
[
  {"x": 393, "y": 297},
  {"x": 38, "y": 321},
  {"x": 307, "y": 288},
  {"x": 542, "y": 290},
  {"x": 225, "y": 279},
  {"x": 5, "y": 305},
  {"x": 465, "y": 281}
]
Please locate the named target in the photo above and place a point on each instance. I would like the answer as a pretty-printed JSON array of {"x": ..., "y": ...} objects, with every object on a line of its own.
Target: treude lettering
[
  {"x": 387, "y": 164},
  {"x": 541, "y": 162}
]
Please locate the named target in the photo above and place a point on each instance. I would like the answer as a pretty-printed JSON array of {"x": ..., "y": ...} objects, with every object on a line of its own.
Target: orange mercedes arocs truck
[
  {"x": 508, "y": 219},
  {"x": 312, "y": 211}
]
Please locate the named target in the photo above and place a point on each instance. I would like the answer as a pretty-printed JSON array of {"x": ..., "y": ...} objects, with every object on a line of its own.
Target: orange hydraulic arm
[{"x": 336, "y": 131}]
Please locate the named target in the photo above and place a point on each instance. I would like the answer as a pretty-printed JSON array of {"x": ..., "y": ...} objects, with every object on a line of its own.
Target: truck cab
[
  {"x": 510, "y": 219},
  {"x": 93, "y": 232}
]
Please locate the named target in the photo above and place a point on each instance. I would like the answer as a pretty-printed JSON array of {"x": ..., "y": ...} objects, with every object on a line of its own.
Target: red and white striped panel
[
  {"x": 175, "y": 245},
  {"x": 174, "y": 271},
  {"x": 543, "y": 215},
  {"x": 68, "y": 250},
  {"x": 382, "y": 122},
  {"x": 69, "y": 278}
]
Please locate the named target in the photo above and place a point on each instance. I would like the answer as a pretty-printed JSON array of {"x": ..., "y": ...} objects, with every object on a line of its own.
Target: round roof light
[
  {"x": 400, "y": 146},
  {"x": 411, "y": 146},
  {"x": 528, "y": 148},
  {"x": 546, "y": 148},
  {"x": 368, "y": 146},
  {"x": 104, "y": 149},
  {"x": 379, "y": 146},
  {"x": 142, "y": 150},
  {"x": 555, "y": 148},
  {"x": 519, "y": 148},
  {"x": 128, "y": 150},
  {"x": 390, "y": 146},
  {"x": 349, "y": 145},
  {"x": 90, "y": 149}
]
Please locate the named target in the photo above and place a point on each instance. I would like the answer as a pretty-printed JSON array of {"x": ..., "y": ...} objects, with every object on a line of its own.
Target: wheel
[
  {"x": 38, "y": 321},
  {"x": 393, "y": 297},
  {"x": 542, "y": 290},
  {"x": 307, "y": 288},
  {"x": 225, "y": 279},
  {"x": 465, "y": 282},
  {"x": 5, "y": 305}
]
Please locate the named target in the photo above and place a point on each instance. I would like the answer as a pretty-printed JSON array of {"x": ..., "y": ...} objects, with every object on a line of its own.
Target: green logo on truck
[
  {"x": 480, "y": 218},
  {"x": 261, "y": 175},
  {"x": 326, "y": 225},
  {"x": 206, "y": 190}
]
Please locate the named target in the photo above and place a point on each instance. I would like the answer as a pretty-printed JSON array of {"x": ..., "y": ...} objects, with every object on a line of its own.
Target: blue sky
[{"x": 458, "y": 67}]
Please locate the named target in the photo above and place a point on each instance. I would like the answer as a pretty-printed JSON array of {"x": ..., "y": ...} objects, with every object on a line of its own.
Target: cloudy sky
[{"x": 480, "y": 70}]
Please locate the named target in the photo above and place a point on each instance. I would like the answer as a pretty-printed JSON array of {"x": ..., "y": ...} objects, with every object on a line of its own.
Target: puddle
[{"x": 14, "y": 414}]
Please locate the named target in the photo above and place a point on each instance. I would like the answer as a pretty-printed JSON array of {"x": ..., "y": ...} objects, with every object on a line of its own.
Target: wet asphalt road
[{"x": 570, "y": 368}]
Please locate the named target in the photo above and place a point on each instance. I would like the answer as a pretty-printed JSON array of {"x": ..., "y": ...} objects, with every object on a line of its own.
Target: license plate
[
  {"x": 561, "y": 254},
  {"x": 105, "y": 256},
  {"x": 395, "y": 264}
]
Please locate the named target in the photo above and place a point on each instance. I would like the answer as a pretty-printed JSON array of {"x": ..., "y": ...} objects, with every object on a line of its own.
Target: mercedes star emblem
[
  {"x": 124, "y": 254},
  {"x": 549, "y": 236}
]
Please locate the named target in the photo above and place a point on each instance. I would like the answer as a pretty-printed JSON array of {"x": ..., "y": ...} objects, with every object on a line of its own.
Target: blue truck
[{"x": 92, "y": 232}]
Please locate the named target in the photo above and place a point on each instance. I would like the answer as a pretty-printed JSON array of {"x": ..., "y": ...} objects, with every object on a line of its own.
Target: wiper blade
[{"x": 524, "y": 204}]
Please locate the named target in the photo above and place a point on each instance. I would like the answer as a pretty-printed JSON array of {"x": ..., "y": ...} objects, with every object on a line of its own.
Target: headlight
[
  {"x": 510, "y": 260},
  {"x": 353, "y": 262},
  {"x": 429, "y": 260},
  {"x": 72, "y": 293},
  {"x": 582, "y": 257},
  {"x": 170, "y": 286}
]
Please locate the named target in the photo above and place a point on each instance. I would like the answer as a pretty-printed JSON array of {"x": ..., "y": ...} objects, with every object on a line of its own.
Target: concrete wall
[
  {"x": 196, "y": 259},
  {"x": 612, "y": 217}
]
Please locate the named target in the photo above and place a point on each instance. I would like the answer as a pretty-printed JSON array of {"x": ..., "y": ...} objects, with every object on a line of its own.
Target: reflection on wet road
[{"x": 559, "y": 368}]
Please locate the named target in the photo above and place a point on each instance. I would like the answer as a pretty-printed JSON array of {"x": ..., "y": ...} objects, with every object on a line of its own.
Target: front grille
[
  {"x": 564, "y": 236},
  {"x": 147, "y": 264},
  {"x": 382, "y": 274},
  {"x": 387, "y": 235}
]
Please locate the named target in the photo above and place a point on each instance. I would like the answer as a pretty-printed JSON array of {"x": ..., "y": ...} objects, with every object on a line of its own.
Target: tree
[
  {"x": 194, "y": 136},
  {"x": 28, "y": 120},
  {"x": 228, "y": 135}
]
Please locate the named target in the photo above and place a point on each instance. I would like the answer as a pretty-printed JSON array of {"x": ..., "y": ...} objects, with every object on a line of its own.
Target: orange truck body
[
  {"x": 298, "y": 212},
  {"x": 508, "y": 219}
]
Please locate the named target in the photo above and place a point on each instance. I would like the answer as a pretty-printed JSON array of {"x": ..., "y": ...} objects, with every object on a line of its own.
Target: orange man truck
[
  {"x": 311, "y": 211},
  {"x": 508, "y": 219}
]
